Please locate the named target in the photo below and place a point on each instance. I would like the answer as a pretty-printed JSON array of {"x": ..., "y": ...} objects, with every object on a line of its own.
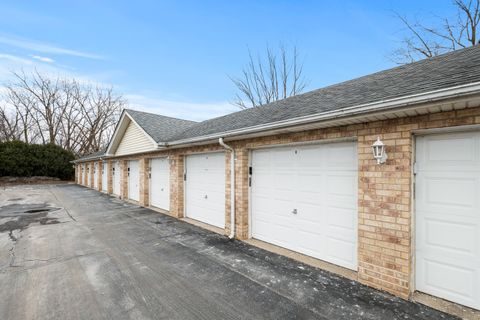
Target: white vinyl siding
[{"x": 134, "y": 141}]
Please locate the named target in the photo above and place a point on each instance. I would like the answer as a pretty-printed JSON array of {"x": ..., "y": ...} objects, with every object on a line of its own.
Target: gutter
[
  {"x": 378, "y": 106},
  {"x": 232, "y": 187}
]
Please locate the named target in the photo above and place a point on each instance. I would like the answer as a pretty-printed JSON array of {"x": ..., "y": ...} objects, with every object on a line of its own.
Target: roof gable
[
  {"x": 129, "y": 137},
  {"x": 160, "y": 128}
]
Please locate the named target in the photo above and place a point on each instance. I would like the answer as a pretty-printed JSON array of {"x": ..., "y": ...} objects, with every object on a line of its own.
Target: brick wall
[
  {"x": 384, "y": 191},
  {"x": 144, "y": 184},
  {"x": 124, "y": 179},
  {"x": 109, "y": 177}
]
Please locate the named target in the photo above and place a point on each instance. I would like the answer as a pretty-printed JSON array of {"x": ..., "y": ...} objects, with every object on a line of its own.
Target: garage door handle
[{"x": 294, "y": 211}]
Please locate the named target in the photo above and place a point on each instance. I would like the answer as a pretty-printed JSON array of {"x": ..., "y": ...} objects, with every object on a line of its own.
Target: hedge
[{"x": 19, "y": 159}]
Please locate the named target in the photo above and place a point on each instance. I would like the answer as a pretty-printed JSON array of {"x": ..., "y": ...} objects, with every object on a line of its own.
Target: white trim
[
  {"x": 302, "y": 143},
  {"x": 463, "y": 128}
]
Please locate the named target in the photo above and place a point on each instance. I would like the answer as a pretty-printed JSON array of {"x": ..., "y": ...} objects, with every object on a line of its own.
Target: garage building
[{"x": 378, "y": 177}]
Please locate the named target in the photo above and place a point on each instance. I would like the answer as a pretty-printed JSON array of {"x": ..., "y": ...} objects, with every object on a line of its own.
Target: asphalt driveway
[{"x": 67, "y": 252}]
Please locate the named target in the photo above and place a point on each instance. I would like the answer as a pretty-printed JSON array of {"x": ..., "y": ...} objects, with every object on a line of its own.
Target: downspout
[{"x": 232, "y": 187}]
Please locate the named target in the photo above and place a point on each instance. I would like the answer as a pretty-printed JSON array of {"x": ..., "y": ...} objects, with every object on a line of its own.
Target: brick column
[
  {"x": 241, "y": 193},
  {"x": 100, "y": 175},
  {"x": 228, "y": 156},
  {"x": 144, "y": 184},
  {"x": 109, "y": 177},
  {"x": 124, "y": 179},
  {"x": 384, "y": 209},
  {"x": 176, "y": 185}
]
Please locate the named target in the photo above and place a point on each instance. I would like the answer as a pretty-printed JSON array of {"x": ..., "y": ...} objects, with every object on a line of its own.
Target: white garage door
[
  {"x": 95, "y": 175},
  {"x": 304, "y": 198},
  {"x": 84, "y": 170},
  {"x": 88, "y": 174},
  {"x": 447, "y": 212},
  {"x": 205, "y": 188},
  {"x": 133, "y": 180},
  {"x": 160, "y": 183},
  {"x": 116, "y": 178},
  {"x": 104, "y": 176}
]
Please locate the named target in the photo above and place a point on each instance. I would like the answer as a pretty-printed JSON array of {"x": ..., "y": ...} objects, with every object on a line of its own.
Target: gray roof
[
  {"x": 444, "y": 71},
  {"x": 92, "y": 156},
  {"x": 452, "y": 69},
  {"x": 160, "y": 128}
]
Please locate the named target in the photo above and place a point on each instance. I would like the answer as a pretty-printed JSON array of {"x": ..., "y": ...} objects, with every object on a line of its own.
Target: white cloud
[
  {"x": 43, "y": 59},
  {"x": 44, "y": 48},
  {"x": 15, "y": 59},
  {"x": 180, "y": 109}
]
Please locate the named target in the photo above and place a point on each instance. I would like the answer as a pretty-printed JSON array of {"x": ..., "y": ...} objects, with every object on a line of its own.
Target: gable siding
[{"x": 133, "y": 141}]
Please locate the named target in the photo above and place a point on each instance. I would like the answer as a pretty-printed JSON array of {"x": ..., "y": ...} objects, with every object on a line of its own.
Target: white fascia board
[
  {"x": 383, "y": 105},
  {"x": 115, "y": 133}
]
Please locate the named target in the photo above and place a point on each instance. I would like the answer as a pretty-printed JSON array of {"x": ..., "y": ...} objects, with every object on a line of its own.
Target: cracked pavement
[{"x": 68, "y": 252}]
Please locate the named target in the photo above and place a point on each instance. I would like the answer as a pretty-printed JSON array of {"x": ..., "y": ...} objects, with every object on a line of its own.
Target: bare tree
[
  {"x": 77, "y": 116},
  {"x": 450, "y": 34},
  {"x": 269, "y": 79}
]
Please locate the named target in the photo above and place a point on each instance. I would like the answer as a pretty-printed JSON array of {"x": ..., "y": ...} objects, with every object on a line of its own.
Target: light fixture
[{"x": 379, "y": 151}]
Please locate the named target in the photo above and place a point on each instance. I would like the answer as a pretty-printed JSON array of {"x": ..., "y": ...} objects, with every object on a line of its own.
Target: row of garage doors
[{"x": 304, "y": 198}]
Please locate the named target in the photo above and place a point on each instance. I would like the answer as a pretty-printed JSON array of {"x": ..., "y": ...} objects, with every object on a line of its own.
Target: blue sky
[{"x": 175, "y": 57}]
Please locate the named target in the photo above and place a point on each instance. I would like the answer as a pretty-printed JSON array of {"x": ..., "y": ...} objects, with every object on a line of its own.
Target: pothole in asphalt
[
  {"x": 40, "y": 210},
  {"x": 21, "y": 216}
]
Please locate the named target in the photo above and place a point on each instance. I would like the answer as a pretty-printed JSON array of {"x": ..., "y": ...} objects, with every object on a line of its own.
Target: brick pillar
[
  {"x": 124, "y": 179},
  {"x": 144, "y": 184},
  {"x": 100, "y": 175},
  {"x": 109, "y": 177},
  {"x": 241, "y": 193},
  {"x": 176, "y": 185},
  {"x": 384, "y": 211},
  {"x": 76, "y": 173}
]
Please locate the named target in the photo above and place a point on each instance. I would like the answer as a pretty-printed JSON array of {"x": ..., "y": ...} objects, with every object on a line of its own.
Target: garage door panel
[
  {"x": 459, "y": 282},
  {"x": 341, "y": 252},
  {"x": 448, "y": 217},
  {"x": 342, "y": 156},
  {"x": 464, "y": 242},
  {"x": 205, "y": 188},
  {"x": 300, "y": 180},
  {"x": 461, "y": 148},
  {"x": 342, "y": 218},
  {"x": 451, "y": 191}
]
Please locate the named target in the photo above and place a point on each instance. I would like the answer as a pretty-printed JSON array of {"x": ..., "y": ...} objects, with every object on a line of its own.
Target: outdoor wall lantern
[{"x": 379, "y": 151}]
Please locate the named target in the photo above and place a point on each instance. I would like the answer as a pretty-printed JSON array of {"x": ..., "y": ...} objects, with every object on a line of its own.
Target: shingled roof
[
  {"x": 444, "y": 71},
  {"x": 160, "y": 128},
  {"x": 92, "y": 156},
  {"x": 457, "y": 68}
]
